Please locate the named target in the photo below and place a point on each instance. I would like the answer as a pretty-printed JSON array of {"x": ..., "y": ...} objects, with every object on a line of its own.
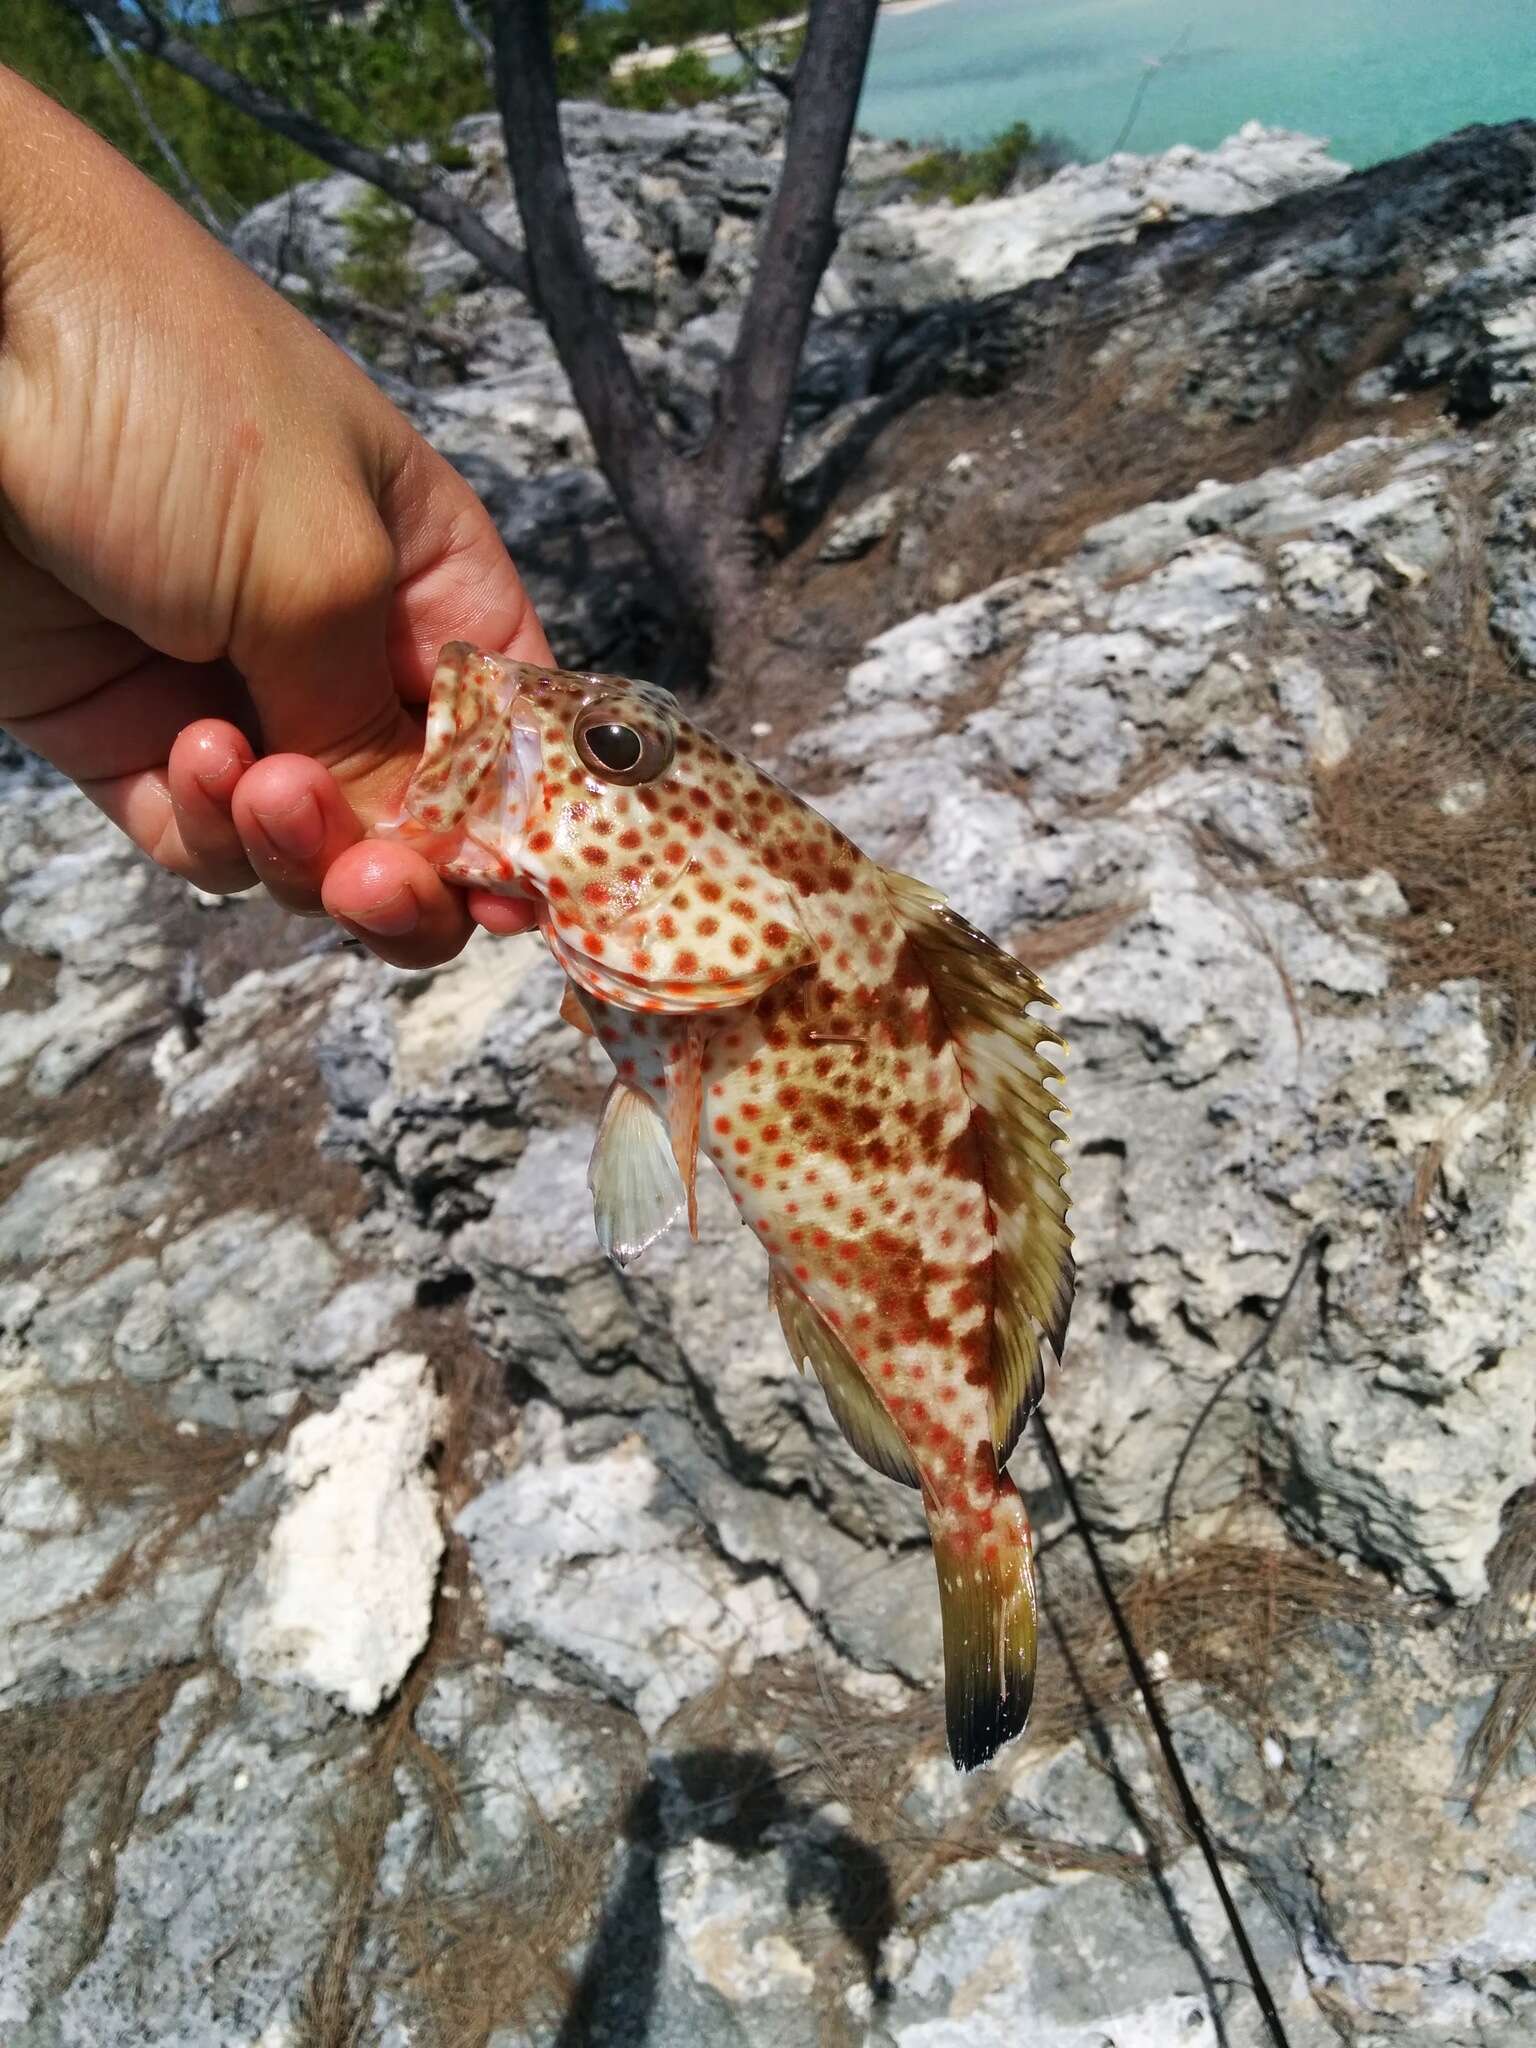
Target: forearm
[
  {"x": 166, "y": 419},
  {"x": 89, "y": 248}
]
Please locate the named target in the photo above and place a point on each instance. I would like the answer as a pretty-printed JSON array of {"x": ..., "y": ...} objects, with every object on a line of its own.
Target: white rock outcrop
[
  {"x": 343, "y": 1596},
  {"x": 928, "y": 253}
]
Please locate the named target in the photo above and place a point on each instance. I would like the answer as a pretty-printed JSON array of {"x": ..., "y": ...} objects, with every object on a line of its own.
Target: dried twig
[
  {"x": 191, "y": 190},
  {"x": 1189, "y": 1806}
]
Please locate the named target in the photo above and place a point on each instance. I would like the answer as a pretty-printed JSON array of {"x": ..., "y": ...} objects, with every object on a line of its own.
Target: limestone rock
[
  {"x": 858, "y": 531},
  {"x": 930, "y": 253},
  {"x": 583, "y": 1557},
  {"x": 343, "y": 1595}
]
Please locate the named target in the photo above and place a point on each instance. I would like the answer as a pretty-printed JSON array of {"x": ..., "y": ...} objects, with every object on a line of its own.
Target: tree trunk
[
  {"x": 699, "y": 517},
  {"x": 759, "y": 380}
]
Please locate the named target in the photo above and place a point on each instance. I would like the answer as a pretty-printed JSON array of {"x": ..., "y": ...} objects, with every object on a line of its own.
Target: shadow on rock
[{"x": 737, "y": 1799}]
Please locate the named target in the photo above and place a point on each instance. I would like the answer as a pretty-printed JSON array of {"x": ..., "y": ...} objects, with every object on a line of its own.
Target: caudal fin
[{"x": 987, "y": 1600}]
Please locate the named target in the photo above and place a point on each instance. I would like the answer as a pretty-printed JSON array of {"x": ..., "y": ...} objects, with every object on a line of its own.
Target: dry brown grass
[
  {"x": 469, "y": 1962},
  {"x": 126, "y": 1450},
  {"x": 1463, "y": 721},
  {"x": 123, "y": 1452},
  {"x": 1083, "y": 433},
  {"x": 1227, "y": 1618},
  {"x": 96, "y": 1747},
  {"x": 1500, "y": 1641},
  {"x": 1439, "y": 789},
  {"x": 461, "y": 1964},
  {"x": 334, "y": 2008},
  {"x": 1046, "y": 946}
]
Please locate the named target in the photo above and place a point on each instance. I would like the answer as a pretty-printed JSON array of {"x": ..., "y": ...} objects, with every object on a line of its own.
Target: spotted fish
[{"x": 857, "y": 1061}]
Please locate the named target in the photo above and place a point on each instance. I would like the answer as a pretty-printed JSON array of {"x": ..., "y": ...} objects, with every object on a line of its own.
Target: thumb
[
  {"x": 335, "y": 656},
  {"x": 310, "y": 636},
  {"x": 456, "y": 580}
]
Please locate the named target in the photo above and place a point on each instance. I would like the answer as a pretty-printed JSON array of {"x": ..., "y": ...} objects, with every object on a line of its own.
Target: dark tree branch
[
  {"x": 645, "y": 472},
  {"x": 327, "y": 301},
  {"x": 427, "y": 201},
  {"x": 479, "y": 38},
  {"x": 758, "y": 381},
  {"x": 191, "y": 191},
  {"x": 782, "y": 82},
  {"x": 1191, "y": 1812}
]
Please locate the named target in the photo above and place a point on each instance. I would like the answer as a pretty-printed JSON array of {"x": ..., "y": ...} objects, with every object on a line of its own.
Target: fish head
[{"x": 640, "y": 837}]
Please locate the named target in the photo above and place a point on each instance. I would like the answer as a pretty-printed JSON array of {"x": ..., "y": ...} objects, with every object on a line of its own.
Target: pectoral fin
[
  {"x": 855, "y": 1409},
  {"x": 636, "y": 1191}
]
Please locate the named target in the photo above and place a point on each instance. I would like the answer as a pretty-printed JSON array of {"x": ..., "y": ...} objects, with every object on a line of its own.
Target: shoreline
[{"x": 657, "y": 56}]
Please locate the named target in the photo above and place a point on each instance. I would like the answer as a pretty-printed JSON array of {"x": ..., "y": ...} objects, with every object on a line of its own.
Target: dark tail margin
[{"x": 989, "y": 1613}]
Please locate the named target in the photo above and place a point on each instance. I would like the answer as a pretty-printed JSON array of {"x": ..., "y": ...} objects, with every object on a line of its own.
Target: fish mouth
[
  {"x": 521, "y": 767},
  {"x": 494, "y": 853},
  {"x": 473, "y": 828}
]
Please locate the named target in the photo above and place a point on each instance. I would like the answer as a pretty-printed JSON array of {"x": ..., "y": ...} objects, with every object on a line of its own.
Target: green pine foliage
[
  {"x": 688, "y": 81},
  {"x": 408, "y": 74},
  {"x": 965, "y": 175},
  {"x": 377, "y": 267},
  {"x": 405, "y": 74}
]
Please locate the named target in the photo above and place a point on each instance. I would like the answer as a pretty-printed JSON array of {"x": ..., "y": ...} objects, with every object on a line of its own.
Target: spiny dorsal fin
[
  {"x": 984, "y": 993},
  {"x": 855, "y": 1409}
]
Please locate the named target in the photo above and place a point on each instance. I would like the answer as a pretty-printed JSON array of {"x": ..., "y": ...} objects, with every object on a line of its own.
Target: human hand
[{"x": 218, "y": 540}]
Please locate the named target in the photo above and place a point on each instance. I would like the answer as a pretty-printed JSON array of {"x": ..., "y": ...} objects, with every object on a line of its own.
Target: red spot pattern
[{"x": 836, "y": 1089}]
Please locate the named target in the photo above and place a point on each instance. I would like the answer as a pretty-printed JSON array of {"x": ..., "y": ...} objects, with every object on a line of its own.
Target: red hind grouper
[{"x": 858, "y": 1062}]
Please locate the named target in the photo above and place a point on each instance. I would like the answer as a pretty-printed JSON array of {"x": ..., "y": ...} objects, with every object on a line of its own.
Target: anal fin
[
  {"x": 855, "y": 1408},
  {"x": 637, "y": 1193}
]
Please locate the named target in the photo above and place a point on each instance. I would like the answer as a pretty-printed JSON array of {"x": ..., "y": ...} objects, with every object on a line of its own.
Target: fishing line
[{"x": 1194, "y": 1819}]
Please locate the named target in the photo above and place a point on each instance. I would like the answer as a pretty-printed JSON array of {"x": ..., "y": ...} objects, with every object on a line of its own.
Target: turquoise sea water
[{"x": 1377, "y": 77}]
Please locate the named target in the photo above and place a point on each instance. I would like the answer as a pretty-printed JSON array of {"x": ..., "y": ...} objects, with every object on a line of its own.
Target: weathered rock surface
[
  {"x": 672, "y": 205},
  {"x": 566, "y": 1679},
  {"x": 922, "y": 255}
]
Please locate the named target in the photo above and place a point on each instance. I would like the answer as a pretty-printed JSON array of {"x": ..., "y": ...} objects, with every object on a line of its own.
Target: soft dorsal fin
[
  {"x": 855, "y": 1409},
  {"x": 984, "y": 993}
]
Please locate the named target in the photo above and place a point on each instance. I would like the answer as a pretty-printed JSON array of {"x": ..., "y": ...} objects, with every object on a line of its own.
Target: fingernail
[
  {"x": 391, "y": 919},
  {"x": 297, "y": 831},
  {"x": 213, "y": 777}
]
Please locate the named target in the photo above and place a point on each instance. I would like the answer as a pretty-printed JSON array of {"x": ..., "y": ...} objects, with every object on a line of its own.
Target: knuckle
[{"x": 352, "y": 573}]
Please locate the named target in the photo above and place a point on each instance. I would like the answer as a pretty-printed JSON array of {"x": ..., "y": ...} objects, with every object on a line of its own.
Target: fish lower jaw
[{"x": 468, "y": 876}]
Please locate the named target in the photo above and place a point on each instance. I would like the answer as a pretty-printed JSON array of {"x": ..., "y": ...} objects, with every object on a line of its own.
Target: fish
[{"x": 861, "y": 1066}]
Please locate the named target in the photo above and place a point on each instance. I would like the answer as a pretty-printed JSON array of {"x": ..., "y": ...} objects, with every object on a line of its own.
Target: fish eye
[
  {"x": 620, "y": 752},
  {"x": 615, "y": 747}
]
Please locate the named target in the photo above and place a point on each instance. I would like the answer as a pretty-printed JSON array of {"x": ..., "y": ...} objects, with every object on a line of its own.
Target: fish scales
[{"x": 858, "y": 1064}]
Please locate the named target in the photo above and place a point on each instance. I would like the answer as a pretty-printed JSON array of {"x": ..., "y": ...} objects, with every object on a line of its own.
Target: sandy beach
[{"x": 653, "y": 59}]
